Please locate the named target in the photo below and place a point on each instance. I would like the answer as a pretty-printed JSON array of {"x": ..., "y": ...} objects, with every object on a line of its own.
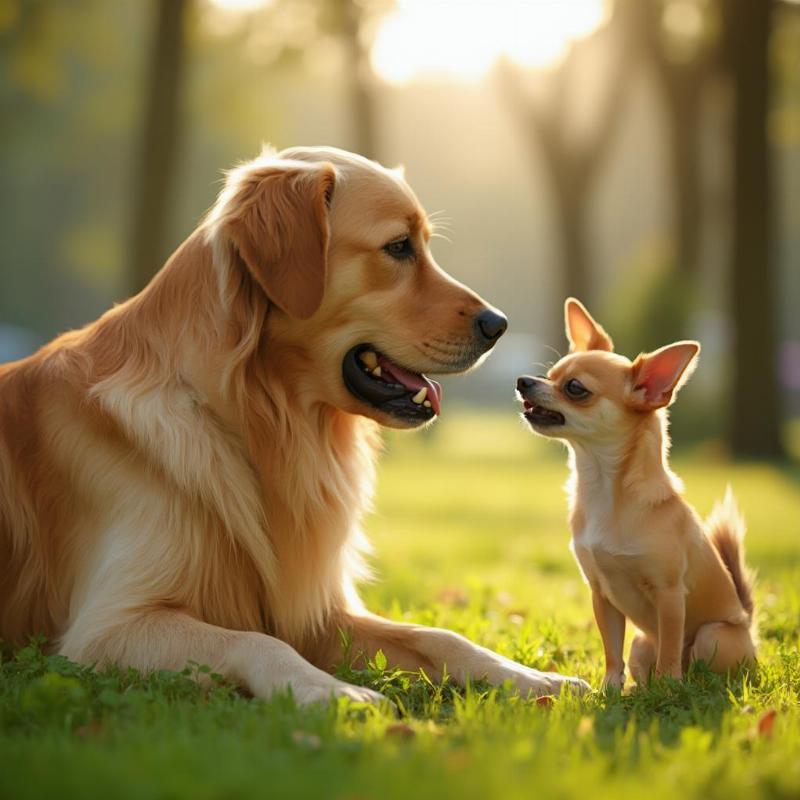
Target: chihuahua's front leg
[
  {"x": 671, "y": 611},
  {"x": 611, "y": 622}
]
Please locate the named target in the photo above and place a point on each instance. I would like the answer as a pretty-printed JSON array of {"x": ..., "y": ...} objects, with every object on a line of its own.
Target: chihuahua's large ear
[
  {"x": 582, "y": 331},
  {"x": 277, "y": 218},
  {"x": 655, "y": 377}
]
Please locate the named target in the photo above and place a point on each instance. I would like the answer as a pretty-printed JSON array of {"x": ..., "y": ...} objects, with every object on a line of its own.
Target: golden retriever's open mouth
[{"x": 375, "y": 379}]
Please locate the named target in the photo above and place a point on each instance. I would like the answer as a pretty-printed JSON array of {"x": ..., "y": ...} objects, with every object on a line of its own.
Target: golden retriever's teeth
[
  {"x": 427, "y": 404},
  {"x": 369, "y": 359},
  {"x": 377, "y": 372},
  {"x": 420, "y": 395}
]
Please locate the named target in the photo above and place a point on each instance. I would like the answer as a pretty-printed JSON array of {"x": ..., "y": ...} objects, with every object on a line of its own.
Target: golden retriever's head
[{"x": 340, "y": 246}]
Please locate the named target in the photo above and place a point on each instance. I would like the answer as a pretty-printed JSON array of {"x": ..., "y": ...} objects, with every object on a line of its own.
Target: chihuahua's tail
[{"x": 726, "y": 528}]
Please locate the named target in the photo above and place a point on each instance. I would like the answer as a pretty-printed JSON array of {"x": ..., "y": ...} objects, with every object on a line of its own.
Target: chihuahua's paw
[
  {"x": 614, "y": 680},
  {"x": 530, "y": 681}
]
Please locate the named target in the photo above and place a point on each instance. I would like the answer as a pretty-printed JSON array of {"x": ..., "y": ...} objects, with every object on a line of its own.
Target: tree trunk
[
  {"x": 681, "y": 84},
  {"x": 156, "y": 165},
  {"x": 573, "y": 215},
  {"x": 357, "y": 77},
  {"x": 686, "y": 178},
  {"x": 572, "y": 166},
  {"x": 756, "y": 408}
]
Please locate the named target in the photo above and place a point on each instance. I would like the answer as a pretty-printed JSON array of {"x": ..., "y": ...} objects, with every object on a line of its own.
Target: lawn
[{"x": 469, "y": 533}]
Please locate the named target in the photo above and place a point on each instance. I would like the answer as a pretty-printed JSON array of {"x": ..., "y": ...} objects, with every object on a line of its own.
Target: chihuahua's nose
[
  {"x": 490, "y": 325},
  {"x": 525, "y": 384}
]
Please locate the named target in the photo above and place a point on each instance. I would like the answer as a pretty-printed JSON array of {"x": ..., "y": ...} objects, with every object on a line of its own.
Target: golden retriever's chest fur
[
  {"x": 150, "y": 497},
  {"x": 273, "y": 520}
]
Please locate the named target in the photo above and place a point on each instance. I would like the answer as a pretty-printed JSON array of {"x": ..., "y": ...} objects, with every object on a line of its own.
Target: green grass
[{"x": 469, "y": 533}]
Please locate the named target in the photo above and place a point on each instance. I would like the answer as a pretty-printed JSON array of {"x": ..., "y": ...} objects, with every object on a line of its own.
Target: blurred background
[{"x": 643, "y": 155}]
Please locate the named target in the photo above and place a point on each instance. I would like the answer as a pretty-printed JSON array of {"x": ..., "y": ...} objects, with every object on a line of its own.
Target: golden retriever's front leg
[
  {"x": 169, "y": 639},
  {"x": 436, "y": 650}
]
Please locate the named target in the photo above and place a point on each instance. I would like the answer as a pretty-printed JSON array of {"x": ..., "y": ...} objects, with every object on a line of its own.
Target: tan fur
[
  {"x": 184, "y": 479},
  {"x": 641, "y": 547},
  {"x": 726, "y": 531}
]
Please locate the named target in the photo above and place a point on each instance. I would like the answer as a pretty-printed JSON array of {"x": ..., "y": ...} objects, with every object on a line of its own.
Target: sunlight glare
[
  {"x": 238, "y": 5},
  {"x": 463, "y": 39}
]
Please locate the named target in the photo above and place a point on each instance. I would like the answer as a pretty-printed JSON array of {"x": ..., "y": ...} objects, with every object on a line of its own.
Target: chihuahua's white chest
[{"x": 614, "y": 562}]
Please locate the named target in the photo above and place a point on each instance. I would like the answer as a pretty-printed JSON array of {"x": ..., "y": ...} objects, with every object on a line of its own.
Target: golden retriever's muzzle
[{"x": 374, "y": 378}]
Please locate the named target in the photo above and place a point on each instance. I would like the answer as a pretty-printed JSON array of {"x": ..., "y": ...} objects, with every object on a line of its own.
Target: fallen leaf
[
  {"x": 400, "y": 730},
  {"x": 766, "y": 723},
  {"x": 545, "y": 701}
]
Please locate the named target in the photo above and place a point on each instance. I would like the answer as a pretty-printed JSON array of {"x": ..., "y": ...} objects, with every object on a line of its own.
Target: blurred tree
[
  {"x": 67, "y": 101},
  {"x": 348, "y": 20},
  {"x": 155, "y": 170},
  {"x": 238, "y": 57},
  {"x": 677, "y": 38},
  {"x": 755, "y": 421},
  {"x": 571, "y": 162}
]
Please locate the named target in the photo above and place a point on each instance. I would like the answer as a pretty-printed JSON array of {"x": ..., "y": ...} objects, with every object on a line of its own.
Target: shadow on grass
[
  {"x": 41, "y": 693},
  {"x": 666, "y": 707}
]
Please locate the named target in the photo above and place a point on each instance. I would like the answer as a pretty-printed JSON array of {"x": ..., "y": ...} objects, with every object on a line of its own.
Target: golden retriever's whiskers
[
  {"x": 437, "y": 235},
  {"x": 441, "y": 362},
  {"x": 447, "y": 351},
  {"x": 440, "y": 223},
  {"x": 438, "y": 215},
  {"x": 437, "y": 228}
]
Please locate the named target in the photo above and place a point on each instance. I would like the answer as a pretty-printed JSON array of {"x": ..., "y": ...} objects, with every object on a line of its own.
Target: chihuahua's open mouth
[
  {"x": 540, "y": 416},
  {"x": 376, "y": 380}
]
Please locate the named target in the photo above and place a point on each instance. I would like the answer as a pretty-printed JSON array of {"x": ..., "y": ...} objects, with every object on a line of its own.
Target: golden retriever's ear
[
  {"x": 582, "y": 331},
  {"x": 278, "y": 221}
]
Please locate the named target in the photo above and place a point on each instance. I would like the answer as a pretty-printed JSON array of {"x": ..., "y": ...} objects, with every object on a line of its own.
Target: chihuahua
[{"x": 643, "y": 550}]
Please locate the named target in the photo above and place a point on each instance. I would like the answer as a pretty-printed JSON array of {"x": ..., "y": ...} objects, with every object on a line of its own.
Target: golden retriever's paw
[
  {"x": 308, "y": 694},
  {"x": 533, "y": 682},
  {"x": 571, "y": 684}
]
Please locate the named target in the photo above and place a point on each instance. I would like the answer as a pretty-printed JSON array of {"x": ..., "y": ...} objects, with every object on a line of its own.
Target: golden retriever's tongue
[{"x": 414, "y": 382}]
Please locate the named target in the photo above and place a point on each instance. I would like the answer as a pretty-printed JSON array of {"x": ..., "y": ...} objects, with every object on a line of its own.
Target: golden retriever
[{"x": 184, "y": 479}]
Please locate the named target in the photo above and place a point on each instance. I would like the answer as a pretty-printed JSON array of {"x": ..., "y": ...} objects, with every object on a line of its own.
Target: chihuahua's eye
[
  {"x": 575, "y": 389},
  {"x": 400, "y": 249}
]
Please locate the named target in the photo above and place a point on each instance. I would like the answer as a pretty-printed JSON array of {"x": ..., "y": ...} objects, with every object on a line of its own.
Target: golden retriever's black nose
[{"x": 490, "y": 325}]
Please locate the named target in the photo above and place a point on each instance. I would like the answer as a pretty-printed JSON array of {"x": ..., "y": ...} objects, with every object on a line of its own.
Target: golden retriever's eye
[
  {"x": 575, "y": 389},
  {"x": 401, "y": 249}
]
